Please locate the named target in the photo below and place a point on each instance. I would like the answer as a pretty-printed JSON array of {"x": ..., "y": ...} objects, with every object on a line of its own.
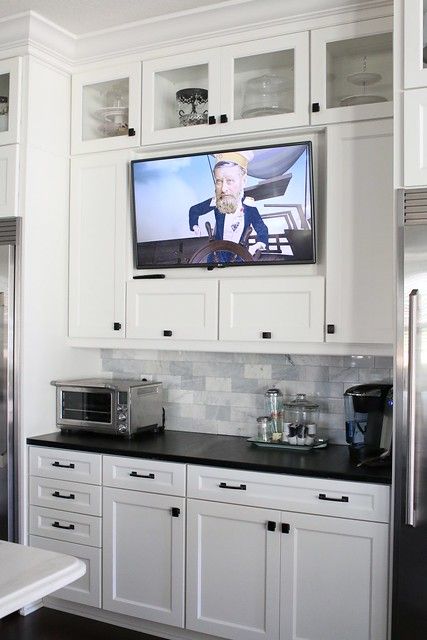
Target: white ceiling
[{"x": 85, "y": 16}]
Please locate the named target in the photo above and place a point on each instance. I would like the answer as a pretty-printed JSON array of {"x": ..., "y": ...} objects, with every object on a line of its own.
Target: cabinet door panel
[
  {"x": 359, "y": 276},
  {"x": 288, "y": 308},
  {"x": 188, "y": 309},
  {"x": 334, "y": 579},
  {"x": 415, "y": 138},
  {"x": 9, "y": 169},
  {"x": 144, "y": 555},
  {"x": 415, "y": 69},
  {"x": 232, "y": 571},
  {"x": 97, "y": 245},
  {"x": 10, "y": 88}
]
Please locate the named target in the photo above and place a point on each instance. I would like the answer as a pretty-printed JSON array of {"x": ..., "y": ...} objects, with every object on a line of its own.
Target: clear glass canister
[
  {"x": 274, "y": 408},
  {"x": 302, "y": 412}
]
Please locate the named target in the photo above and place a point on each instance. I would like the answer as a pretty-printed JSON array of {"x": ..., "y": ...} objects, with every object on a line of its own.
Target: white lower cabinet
[{"x": 257, "y": 573}]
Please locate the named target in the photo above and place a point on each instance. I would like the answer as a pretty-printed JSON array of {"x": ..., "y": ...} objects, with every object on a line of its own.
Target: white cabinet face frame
[
  {"x": 98, "y": 232},
  {"x": 172, "y": 309},
  {"x": 281, "y": 309},
  {"x": 359, "y": 261},
  {"x": 284, "y": 60},
  {"x": 162, "y": 78},
  {"x": 340, "y": 36},
  {"x": 415, "y": 38},
  {"x": 9, "y": 171},
  {"x": 10, "y": 85},
  {"x": 334, "y": 578},
  {"x": 130, "y": 76},
  {"x": 415, "y": 138}
]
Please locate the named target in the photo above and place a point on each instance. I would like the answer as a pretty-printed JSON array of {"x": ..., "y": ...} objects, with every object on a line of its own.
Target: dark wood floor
[{"x": 47, "y": 624}]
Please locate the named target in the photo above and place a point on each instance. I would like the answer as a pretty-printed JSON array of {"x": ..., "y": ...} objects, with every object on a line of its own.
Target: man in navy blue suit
[{"x": 233, "y": 213}]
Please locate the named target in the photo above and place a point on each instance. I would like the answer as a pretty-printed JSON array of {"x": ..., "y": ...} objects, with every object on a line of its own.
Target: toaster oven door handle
[{"x": 135, "y": 474}]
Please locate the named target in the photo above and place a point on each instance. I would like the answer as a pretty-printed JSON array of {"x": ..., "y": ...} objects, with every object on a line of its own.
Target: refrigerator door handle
[{"x": 410, "y": 467}]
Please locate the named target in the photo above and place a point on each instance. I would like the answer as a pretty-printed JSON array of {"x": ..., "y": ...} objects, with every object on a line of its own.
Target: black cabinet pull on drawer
[
  {"x": 323, "y": 496},
  {"x": 224, "y": 485},
  {"x": 69, "y": 527},
  {"x": 135, "y": 474},
  {"x": 63, "y": 466},
  {"x": 56, "y": 494}
]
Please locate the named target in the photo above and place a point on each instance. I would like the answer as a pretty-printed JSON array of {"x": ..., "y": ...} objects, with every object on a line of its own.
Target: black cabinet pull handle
[
  {"x": 266, "y": 335},
  {"x": 211, "y": 120},
  {"x": 135, "y": 474},
  {"x": 175, "y": 512},
  {"x": 131, "y": 132},
  {"x": 63, "y": 466},
  {"x": 224, "y": 485},
  {"x": 69, "y": 527},
  {"x": 56, "y": 494},
  {"x": 330, "y": 328},
  {"x": 117, "y": 326},
  {"x": 315, "y": 107},
  {"x": 285, "y": 527},
  {"x": 271, "y": 526},
  {"x": 223, "y": 118},
  {"x": 323, "y": 496},
  {"x": 167, "y": 333}
]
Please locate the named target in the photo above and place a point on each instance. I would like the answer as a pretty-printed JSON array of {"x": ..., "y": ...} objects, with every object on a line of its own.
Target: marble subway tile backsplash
[{"x": 224, "y": 392}]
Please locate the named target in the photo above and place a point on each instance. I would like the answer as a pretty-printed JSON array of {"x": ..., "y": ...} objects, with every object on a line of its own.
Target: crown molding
[{"x": 31, "y": 33}]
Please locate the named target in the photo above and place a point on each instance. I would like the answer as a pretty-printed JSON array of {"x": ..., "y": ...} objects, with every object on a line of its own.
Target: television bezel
[{"x": 220, "y": 265}]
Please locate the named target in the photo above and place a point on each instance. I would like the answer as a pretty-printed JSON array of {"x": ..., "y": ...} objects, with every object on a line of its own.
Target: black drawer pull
[
  {"x": 271, "y": 526},
  {"x": 63, "y": 466},
  {"x": 135, "y": 474},
  {"x": 69, "y": 527},
  {"x": 323, "y": 496},
  {"x": 224, "y": 485},
  {"x": 56, "y": 494}
]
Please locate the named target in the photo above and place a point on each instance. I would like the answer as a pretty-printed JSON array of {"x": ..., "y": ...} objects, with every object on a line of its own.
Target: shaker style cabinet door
[
  {"x": 352, "y": 71},
  {"x": 233, "y": 571},
  {"x": 334, "y": 578},
  {"x": 106, "y": 109},
  {"x": 144, "y": 555},
  {"x": 415, "y": 43},
  {"x": 98, "y": 221},
  {"x": 415, "y": 138},
  {"x": 359, "y": 257},
  {"x": 10, "y": 100}
]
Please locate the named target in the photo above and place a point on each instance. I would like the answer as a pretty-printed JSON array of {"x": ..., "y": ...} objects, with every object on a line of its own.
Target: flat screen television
[{"x": 251, "y": 206}]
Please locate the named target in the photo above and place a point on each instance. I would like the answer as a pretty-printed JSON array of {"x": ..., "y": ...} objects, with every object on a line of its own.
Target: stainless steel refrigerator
[
  {"x": 9, "y": 263},
  {"x": 409, "y": 598}
]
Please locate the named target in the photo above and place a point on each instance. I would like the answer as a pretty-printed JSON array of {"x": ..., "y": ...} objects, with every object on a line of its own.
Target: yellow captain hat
[{"x": 242, "y": 158}]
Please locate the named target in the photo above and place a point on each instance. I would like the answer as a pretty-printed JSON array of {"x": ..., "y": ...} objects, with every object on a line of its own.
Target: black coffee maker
[{"x": 369, "y": 423}]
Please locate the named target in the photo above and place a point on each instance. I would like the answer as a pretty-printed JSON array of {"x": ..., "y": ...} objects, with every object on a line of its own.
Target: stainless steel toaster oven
[{"x": 105, "y": 405}]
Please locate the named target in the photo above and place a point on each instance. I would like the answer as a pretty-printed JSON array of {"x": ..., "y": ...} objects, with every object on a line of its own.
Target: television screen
[{"x": 244, "y": 207}]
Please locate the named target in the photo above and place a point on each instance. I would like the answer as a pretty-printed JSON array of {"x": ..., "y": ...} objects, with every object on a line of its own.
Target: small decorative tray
[{"x": 319, "y": 443}]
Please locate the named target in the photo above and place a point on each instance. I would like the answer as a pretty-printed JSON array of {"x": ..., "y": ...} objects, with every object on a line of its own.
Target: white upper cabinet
[
  {"x": 106, "y": 109},
  {"x": 352, "y": 71},
  {"x": 10, "y": 96},
  {"x": 415, "y": 43},
  {"x": 251, "y": 86},
  {"x": 9, "y": 169}
]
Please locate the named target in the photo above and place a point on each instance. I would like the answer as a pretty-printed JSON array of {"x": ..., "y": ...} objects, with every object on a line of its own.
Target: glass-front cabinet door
[
  {"x": 352, "y": 72},
  {"x": 106, "y": 108},
  {"x": 415, "y": 43},
  {"x": 265, "y": 84},
  {"x": 181, "y": 97},
  {"x": 10, "y": 82}
]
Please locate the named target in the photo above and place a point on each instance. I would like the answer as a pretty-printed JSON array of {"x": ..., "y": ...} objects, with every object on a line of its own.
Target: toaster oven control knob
[
  {"x": 122, "y": 428},
  {"x": 122, "y": 417}
]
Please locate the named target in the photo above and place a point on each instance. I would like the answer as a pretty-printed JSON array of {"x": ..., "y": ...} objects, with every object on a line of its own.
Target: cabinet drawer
[
  {"x": 65, "y": 465},
  {"x": 144, "y": 475},
  {"x": 68, "y": 496},
  {"x": 358, "y": 500},
  {"x": 87, "y": 589},
  {"x": 65, "y": 526}
]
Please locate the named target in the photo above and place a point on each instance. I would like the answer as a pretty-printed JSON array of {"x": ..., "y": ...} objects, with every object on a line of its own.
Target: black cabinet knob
[
  {"x": 271, "y": 526},
  {"x": 167, "y": 333},
  {"x": 211, "y": 120},
  {"x": 223, "y": 118},
  {"x": 117, "y": 326},
  {"x": 315, "y": 107},
  {"x": 330, "y": 328},
  {"x": 131, "y": 132},
  {"x": 175, "y": 512},
  {"x": 266, "y": 335}
]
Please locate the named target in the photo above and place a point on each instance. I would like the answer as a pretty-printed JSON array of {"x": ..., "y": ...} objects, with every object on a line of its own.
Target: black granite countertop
[{"x": 220, "y": 451}]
